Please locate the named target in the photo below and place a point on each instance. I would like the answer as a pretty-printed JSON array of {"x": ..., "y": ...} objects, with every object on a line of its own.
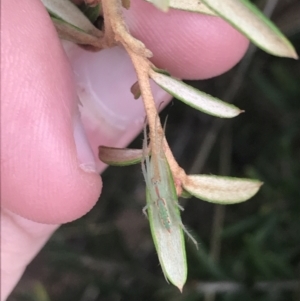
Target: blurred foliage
[{"x": 109, "y": 254}]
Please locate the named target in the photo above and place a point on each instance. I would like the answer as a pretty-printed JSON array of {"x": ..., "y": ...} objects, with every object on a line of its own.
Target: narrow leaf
[
  {"x": 164, "y": 215},
  {"x": 66, "y": 11},
  {"x": 249, "y": 20},
  {"x": 195, "y": 98},
  {"x": 74, "y": 34},
  {"x": 221, "y": 190},
  {"x": 91, "y": 12},
  {"x": 192, "y": 6},
  {"x": 119, "y": 156},
  {"x": 188, "y": 5},
  {"x": 169, "y": 246},
  {"x": 186, "y": 195},
  {"x": 160, "y": 71},
  {"x": 161, "y": 4}
]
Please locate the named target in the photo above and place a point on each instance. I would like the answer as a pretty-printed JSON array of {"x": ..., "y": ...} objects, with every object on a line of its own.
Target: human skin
[{"x": 45, "y": 178}]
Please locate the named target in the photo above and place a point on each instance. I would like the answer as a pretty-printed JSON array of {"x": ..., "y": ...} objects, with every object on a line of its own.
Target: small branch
[
  {"x": 116, "y": 30},
  {"x": 70, "y": 33},
  {"x": 143, "y": 68}
]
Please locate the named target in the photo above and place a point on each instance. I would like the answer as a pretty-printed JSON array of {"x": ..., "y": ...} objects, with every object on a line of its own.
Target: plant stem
[{"x": 116, "y": 31}]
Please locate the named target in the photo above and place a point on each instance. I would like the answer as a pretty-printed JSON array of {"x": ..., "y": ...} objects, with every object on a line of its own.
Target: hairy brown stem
[{"x": 116, "y": 30}]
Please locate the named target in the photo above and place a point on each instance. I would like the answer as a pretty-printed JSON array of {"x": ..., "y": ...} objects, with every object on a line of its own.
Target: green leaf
[
  {"x": 71, "y": 24},
  {"x": 164, "y": 215},
  {"x": 249, "y": 20},
  {"x": 165, "y": 222},
  {"x": 68, "y": 12},
  {"x": 119, "y": 156},
  {"x": 161, "y": 4},
  {"x": 169, "y": 245},
  {"x": 40, "y": 292},
  {"x": 91, "y": 12},
  {"x": 221, "y": 190},
  {"x": 188, "y": 5},
  {"x": 184, "y": 194},
  {"x": 195, "y": 98},
  {"x": 191, "y": 5},
  {"x": 71, "y": 33},
  {"x": 160, "y": 71}
]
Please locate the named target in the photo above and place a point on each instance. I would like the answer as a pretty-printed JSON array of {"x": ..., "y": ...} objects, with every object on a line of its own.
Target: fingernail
[
  {"x": 103, "y": 82},
  {"x": 84, "y": 152},
  {"x": 109, "y": 113}
]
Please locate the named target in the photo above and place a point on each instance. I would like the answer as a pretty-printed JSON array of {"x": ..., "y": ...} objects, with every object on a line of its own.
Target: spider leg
[
  {"x": 189, "y": 235},
  {"x": 145, "y": 210},
  {"x": 180, "y": 207}
]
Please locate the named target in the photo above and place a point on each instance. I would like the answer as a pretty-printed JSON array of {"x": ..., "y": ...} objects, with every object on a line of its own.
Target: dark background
[{"x": 249, "y": 251}]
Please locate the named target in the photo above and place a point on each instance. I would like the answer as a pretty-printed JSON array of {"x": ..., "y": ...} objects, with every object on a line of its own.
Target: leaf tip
[
  {"x": 290, "y": 52},
  {"x": 295, "y": 56},
  {"x": 119, "y": 156}
]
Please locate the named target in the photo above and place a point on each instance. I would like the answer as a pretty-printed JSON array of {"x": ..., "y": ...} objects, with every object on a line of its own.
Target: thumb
[{"x": 48, "y": 170}]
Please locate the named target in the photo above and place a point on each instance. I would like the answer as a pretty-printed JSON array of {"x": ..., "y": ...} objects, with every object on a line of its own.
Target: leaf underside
[
  {"x": 195, "y": 98},
  {"x": 250, "y": 21},
  {"x": 161, "y": 4},
  {"x": 221, "y": 190},
  {"x": 169, "y": 246},
  {"x": 244, "y": 16},
  {"x": 188, "y": 5},
  {"x": 69, "y": 13},
  {"x": 119, "y": 156}
]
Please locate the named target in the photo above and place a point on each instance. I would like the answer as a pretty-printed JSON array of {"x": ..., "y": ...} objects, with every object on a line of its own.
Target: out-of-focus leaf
[
  {"x": 188, "y": 5},
  {"x": 279, "y": 265},
  {"x": 91, "y": 12},
  {"x": 66, "y": 11},
  {"x": 191, "y": 5},
  {"x": 258, "y": 257},
  {"x": 242, "y": 226},
  {"x": 74, "y": 34},
  {"x": 206, "y": 262},
  {"x": 40, "y": 292},
  {"x": 185, "y": 194},
  {"x": 161, "y": 4},
  {"x": 71, "y": 24}
]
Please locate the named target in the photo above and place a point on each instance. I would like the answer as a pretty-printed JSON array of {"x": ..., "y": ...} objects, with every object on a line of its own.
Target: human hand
[{"x": 48, "y": 170}]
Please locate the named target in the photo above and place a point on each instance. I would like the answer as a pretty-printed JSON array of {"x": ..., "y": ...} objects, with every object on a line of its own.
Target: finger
[
  {"x": 28, "y": 154},
  {"x": 21, "y": 239},
  {"x": 48, "y": 170},
  {"x": 188, "y": 45}
]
